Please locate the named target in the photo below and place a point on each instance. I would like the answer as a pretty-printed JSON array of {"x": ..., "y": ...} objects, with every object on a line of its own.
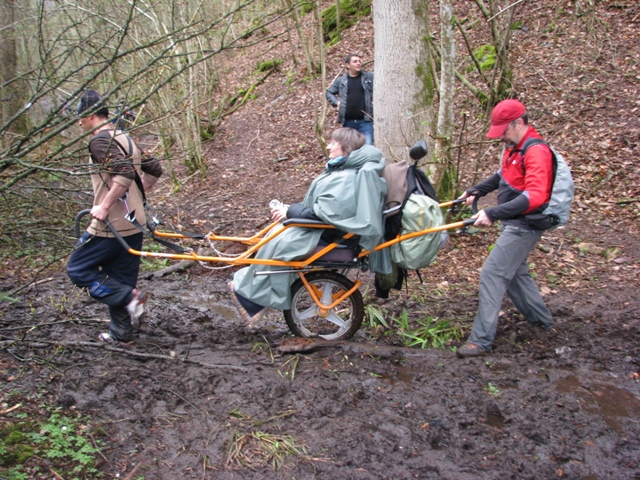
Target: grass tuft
[
  {"x": 258, "y": 449},
  {"x": 427, "y": 332}
]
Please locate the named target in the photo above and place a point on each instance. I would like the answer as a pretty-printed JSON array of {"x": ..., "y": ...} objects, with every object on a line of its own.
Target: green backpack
[{"x": 420, "y": 212}]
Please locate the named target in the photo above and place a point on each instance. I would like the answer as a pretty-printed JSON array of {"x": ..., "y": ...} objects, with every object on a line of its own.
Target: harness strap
[
  {"x": 131, "y": 217},
  {"x": 137, "y": 178}
]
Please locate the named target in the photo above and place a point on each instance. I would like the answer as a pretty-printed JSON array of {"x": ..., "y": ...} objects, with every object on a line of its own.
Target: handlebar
[
  {"x": 76, "y": 225},
  {"x": 458, "y": 201},
  {"x": 116, "y": 234}
]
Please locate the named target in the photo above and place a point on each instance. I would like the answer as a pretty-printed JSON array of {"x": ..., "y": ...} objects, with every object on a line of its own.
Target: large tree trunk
[{"x": 404, "y": 86}]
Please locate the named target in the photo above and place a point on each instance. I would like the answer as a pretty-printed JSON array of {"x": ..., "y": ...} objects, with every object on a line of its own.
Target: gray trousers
[{"x": 506, "y": 271}]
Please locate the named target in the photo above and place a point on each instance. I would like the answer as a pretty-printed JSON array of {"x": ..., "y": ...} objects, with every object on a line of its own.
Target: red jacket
[{"x": 522, "y": 187}]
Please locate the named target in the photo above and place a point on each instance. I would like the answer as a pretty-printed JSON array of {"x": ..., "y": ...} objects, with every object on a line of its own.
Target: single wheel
[{"x": 342, "y": 321}]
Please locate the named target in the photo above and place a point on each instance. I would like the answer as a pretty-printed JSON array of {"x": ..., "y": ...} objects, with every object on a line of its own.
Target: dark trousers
[{"x": 109, "y": 272}]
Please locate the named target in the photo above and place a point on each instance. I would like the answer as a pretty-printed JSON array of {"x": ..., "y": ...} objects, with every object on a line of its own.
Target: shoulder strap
[
  {"x": 128, "y": 154},
  {"x": 419, "y": 182},
  {"x": 530, "y": 142}
]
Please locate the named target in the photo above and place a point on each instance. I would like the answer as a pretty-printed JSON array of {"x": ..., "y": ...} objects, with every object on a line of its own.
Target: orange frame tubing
[
  {"x": 262, "y": 237},
  {"x": 407, "y": 236},
  {"x": 337, "y": 298},
  {"x": 243, "y": 259},
  {"x": 213, "y": 237}
]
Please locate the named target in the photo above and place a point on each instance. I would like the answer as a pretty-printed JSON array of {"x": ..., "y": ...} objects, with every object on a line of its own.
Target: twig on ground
[
  {"x": 307, "y": 345},
  {"x": 505, "y": 9},
  {"x": 10, "y": 409},
  {"x": 253, "y": 139},
  {"x": 177, "y": 267},
  {"x": 543, "y": 78},
  {"x": 29, "y": 286},
  {"x": 47, "y": 324},
  {"x": 133, "y": 472},
  {"x": 125, "y": 351}
]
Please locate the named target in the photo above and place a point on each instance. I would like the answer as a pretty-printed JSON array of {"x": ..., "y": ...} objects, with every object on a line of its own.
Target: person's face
[
  {"x": 514, "y": 132},
  {"x": 86, "y": 123},
  {"x": 354, "y": 66},
  {"x": 335, "y": 149}
]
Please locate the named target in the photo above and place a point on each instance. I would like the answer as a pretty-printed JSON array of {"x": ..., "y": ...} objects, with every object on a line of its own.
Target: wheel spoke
[
  {"x": 310, "y": 312},
  {"x": 340, "y": 322},
  {"x": 336, "y": 319},
  {"x": 327, "y": 293}
]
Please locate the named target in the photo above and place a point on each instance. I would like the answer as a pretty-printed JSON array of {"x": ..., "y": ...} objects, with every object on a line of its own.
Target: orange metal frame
[{"x": 263, "y": 237}]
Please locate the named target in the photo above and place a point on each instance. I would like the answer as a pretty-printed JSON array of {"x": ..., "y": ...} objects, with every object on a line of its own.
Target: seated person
[{"x": 349, "y": 195}]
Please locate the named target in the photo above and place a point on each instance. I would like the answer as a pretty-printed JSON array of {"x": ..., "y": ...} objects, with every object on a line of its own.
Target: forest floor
[{"x": 199, "y": 396}]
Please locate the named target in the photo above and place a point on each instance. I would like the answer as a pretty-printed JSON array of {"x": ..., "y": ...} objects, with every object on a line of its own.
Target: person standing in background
[{"x": 355, "y": 102}]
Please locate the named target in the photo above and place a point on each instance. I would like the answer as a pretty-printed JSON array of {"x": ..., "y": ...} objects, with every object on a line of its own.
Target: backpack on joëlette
[
  {"x": 411, "y": 211},
  {"x": 555, "y": 213}
]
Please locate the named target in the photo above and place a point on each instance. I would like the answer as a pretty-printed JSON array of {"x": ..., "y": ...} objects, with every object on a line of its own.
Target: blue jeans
[
  {"x": 506, "y": 271},
  {"x": 363, "y": 126},
  {"x": 109, "y": 272}
]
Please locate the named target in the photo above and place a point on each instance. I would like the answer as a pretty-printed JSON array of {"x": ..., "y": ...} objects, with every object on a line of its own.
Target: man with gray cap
[
  {"x": 524, "y": 185},
  {"x": 120, "y": 175}
]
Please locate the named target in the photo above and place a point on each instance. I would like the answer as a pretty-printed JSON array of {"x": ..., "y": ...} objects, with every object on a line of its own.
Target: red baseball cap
[{"x": 502, "y": 115}]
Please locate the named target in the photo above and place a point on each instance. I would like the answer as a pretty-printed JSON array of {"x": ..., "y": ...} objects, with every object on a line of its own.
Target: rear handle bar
[{"x": 116, "y": 234}]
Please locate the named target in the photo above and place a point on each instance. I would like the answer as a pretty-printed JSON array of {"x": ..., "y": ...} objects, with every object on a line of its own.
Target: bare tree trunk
[
  {"x": 338, "y": 30},
  {"x": 307, "y": 49},
  {"x": 11, "y": 87},
  {"x": 444, "y": 170},
  {"x": 403, "y": 88},
  {"x": 320, "y": 114}
]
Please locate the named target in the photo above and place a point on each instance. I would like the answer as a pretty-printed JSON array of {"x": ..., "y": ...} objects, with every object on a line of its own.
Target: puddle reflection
[{"x": 613, "y": 403}]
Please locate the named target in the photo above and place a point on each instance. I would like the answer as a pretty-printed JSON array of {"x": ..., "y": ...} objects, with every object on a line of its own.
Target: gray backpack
[{"x": 556, "y": 212}]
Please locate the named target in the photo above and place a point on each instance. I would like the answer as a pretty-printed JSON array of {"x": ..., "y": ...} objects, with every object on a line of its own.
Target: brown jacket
[{"x": 118, "y": 159}]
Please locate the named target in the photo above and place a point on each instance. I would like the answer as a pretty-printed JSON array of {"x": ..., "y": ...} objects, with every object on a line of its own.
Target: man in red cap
[{"x": 524, "y": 185}]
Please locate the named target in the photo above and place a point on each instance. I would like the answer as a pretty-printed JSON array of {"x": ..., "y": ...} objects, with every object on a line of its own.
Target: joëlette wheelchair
[{"x": 325, "y": 302}]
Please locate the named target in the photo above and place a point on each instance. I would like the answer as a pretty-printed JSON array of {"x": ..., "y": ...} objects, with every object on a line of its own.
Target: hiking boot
[
  {"x": 136, "y": 308},
  {"x": 109, "y": 340},
  {"x": 470, "y": 350}
]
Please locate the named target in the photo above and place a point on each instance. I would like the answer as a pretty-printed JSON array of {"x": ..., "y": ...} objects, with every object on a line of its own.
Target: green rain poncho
[{"x": 349, "y": 197}]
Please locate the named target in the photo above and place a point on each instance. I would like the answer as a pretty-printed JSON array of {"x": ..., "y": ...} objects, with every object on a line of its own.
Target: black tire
[{"x": 342, "y": 322}]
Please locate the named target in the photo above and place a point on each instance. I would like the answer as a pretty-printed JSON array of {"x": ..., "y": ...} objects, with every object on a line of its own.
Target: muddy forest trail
[{"x": 198, "y": 396}]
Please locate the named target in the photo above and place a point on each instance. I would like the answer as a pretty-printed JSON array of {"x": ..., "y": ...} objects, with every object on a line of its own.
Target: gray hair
[{"x": 349, "y": 139}]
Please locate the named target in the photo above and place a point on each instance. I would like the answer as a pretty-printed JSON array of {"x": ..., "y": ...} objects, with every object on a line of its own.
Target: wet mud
[{"x": 559, "y": 404}]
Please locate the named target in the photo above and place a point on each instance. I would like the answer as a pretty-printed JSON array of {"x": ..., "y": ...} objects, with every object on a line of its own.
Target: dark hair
[
  {"x": 348, "y": 58},
  {"x": 91, "y": 99},
  {"x": 349, "y": 139},
  {"x": 524, "y": 117}
]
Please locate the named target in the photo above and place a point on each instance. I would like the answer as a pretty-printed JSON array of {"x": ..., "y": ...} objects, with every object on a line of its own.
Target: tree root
[{"x": 307, "y": 345}]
